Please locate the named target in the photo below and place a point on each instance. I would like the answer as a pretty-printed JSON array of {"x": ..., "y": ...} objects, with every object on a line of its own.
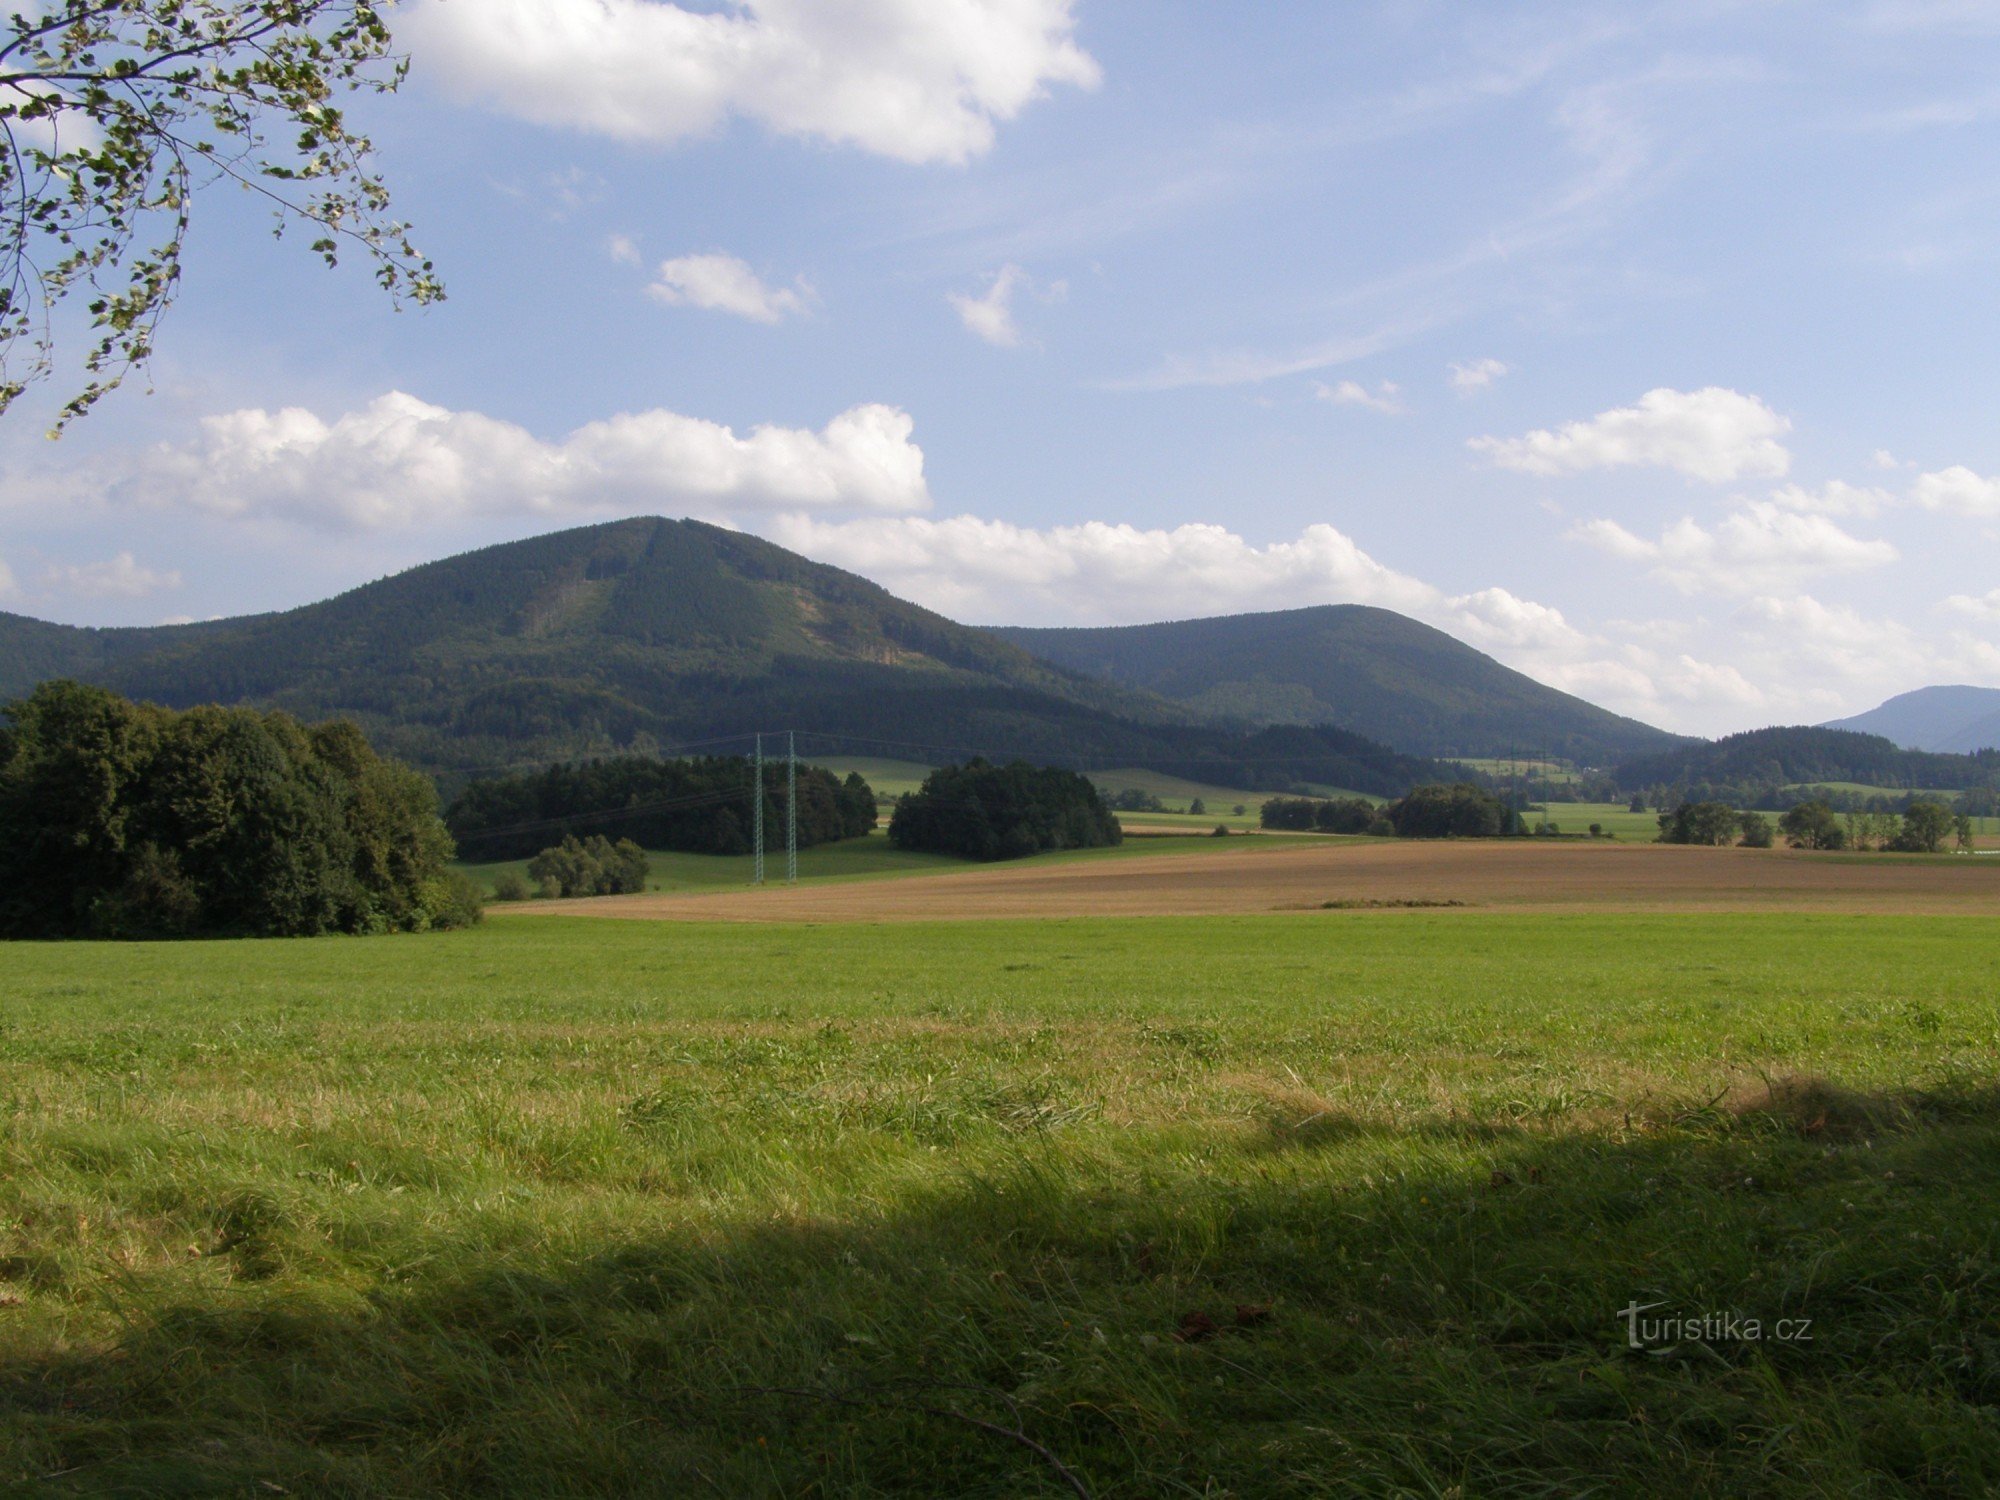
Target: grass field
[
  {"x": 1346, "y": 1203},
  {"x": 849, "y": 859}
]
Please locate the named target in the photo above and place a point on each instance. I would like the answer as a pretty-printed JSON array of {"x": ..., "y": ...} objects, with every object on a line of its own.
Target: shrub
[
  {"x": 511, "y": 885},
  {"x": 1757, "y": 832},
  {"x": 589, "y": 867}
]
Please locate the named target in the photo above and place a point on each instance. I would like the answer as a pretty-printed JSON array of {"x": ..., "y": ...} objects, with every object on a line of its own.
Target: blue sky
[{"x": 1649, "y": 348}]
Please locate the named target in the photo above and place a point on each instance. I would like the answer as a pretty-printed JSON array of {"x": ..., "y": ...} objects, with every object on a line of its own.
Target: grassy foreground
[{"x": 1345, "y": 1203}]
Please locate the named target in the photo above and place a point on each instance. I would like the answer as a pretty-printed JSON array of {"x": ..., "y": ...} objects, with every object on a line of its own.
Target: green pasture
[{"x": 1330, "y": 1204}]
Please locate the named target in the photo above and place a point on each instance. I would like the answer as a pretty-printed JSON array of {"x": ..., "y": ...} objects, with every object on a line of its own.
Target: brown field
[{"x": 1307, "y": 876}]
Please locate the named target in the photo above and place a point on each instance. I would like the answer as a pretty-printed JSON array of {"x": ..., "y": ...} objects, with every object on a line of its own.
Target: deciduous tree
[{"x": 114, "y": 114}]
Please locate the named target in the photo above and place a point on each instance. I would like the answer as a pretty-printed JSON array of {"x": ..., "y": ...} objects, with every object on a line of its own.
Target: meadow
[{"x": 1337, "y": 1202}]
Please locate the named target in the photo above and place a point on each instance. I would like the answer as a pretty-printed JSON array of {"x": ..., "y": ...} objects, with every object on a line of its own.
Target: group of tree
[
  {"x": 1325, "y": 815},
  {"x": 120, "y": 819},
  {"x": 1137, "y": 800},
  {"x": 1925, "y": 828},
  {"x": 1715, "y": 824},
  {"x": 1460, "y": 810},
  {"x": 989, "y": 812},
  {"x": 703, "y": 805},
  {"x": 1776, "y": 769},
  {"x": 580, "y": 867}
]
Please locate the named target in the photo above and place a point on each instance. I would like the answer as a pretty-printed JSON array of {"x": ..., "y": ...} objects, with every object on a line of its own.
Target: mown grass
[{"x": 558, "y": 1207}]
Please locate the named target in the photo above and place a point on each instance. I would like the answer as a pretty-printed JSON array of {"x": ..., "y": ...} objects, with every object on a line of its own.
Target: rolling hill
[
  {"x": 1370, "y": 670},
  {"x": 645, "y": 634},
  {"x": 1802, "y": 755},
  {"x": 1957, "y": 720}
]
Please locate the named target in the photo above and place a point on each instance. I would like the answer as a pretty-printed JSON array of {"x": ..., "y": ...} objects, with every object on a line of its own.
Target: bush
[
  {"x": 589, "y": 867},
  {"x": 988, "y": 812},
  {"x": 1220, "y": 831},
  {"x": 459, "y": 904},
  {"x": 1756, "y": 831},
  {"x": 511, "y": 885},
  {"x": 1133, "y": 799},
  {"x": 120, "y": 819}
]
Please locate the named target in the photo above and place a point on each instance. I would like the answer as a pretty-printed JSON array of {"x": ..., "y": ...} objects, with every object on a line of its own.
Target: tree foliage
[
  {"x": 1711, "y": 823},
  {"x": 1926, "y": 827},
  {"x": 1319, "y": 815},
  {"x": 987, "y": 812},
  {"x": 1812, "y": 825},
  {"x": 590, "y": 867},
  {"x": 114, "y": 113},
  {"x": 1458, "y": 811},
  {"x": 120, "y": 819},
  {"x": 701, "y": 805}
]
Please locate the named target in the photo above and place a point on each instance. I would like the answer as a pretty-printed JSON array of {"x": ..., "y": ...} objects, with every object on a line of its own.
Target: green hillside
[
  {"x": 643, "y": 635},
  {"x": 1803, "y": 755},
  {"x": 1370, "y": 670}
]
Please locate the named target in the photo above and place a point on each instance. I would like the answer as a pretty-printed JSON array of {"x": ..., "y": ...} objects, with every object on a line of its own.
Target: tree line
[
  {"x": 701, "y": 805},
  {"x": 1924, "y": 827},
  {"x": 120, "y": 819}
]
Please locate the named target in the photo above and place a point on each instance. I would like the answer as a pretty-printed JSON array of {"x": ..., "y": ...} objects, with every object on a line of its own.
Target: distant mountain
[
  {"x": 1369, "y": 670},
  {"x": 1955, "y": 719},
  {"x": 644, "y": 634},
  {"x": 1806, "y": 755}
]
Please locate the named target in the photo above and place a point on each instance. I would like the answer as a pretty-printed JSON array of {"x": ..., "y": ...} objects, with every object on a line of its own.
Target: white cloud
[
  {"x": 1984, "y": 608},
  {"x": 1711, "y": 434},
  {"x": 917, "y": 80},
  {"x": 1353, "y": 393},
  {"x": 1834, "y": 498},
  {"x": 623, "y": 249},
  {"x": 121, "y": 577},
  {"x": 1760, "y": 548},
  {"x": 1469, "y": 377},
  {"x": 722, "y": 283},
  {"x": 1884, "y": 459},
  {"x": 404, "y": 462},
  {"x": 991, "y": 317},
  {"x": 6, "y": 580},
  {"x": 1958, "y": 489},
  {"x": 1099, "y": 572}
]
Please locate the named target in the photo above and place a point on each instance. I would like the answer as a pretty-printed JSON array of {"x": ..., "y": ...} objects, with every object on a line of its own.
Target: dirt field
[{"x": 1309, "y": 876}]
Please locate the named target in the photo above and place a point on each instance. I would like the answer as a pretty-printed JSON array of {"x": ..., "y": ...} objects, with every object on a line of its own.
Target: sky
[{"x": 1653, "y": 349}]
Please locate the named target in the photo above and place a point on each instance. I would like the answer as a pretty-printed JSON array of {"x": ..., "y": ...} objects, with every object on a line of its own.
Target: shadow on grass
[{"x": 1362, "y": 1312}]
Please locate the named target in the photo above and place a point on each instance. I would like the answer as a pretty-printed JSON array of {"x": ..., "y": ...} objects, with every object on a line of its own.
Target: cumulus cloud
[
  {"x": 1761, "y": 547},
  {"x": 121, "y": 577},
  {"x": 1984, "y": 608},
  {"x": 919, "y": 82},
  {"x": 1711, "y": 434},
  {"x": 1098, "y": 572},
  {"x": 1469, "y": 377},
  {"x": 722, "y": 283},
  {"x": 403, "y": 462},
  {"x": 1353, "y": 393},
  {"x": 1958, "y": 489},
  {"x": 1834, "y": 498}
]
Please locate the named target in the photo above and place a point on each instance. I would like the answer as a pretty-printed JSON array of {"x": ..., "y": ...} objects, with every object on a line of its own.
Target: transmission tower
[
  {"x": 791, "y": 807},
  {"x": 757, "y": 816}
]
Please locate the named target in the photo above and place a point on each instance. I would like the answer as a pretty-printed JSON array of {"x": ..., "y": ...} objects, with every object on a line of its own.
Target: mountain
[
  {"x": 1370, "y": 670},
  {"x": 1799, "y": 755},
  {"x": 646, "y": 634},
  {"x": 1955, "y": 719}
]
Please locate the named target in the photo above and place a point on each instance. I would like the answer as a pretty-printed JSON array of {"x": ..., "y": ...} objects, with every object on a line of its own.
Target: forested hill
[
  {"x": 1370, "y": 670},
  {"x": 1801, "y": 755},
  {"x": 645, "y": 634}
]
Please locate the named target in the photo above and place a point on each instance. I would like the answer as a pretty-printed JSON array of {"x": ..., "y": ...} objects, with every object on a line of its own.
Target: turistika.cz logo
[{"x": 1662, "y": 1333}]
